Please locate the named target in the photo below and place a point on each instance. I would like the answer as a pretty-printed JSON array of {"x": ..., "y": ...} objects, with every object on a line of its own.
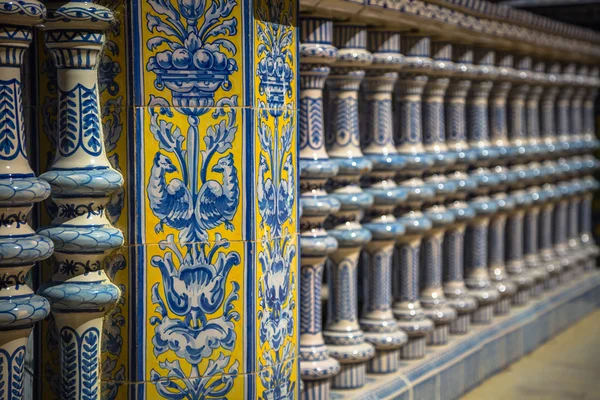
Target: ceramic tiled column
[
  {"x": 409, "y": 142},
  {"x": 82, "y": 181},
  {"x": 377, "y": 320},
  {"x": 545, "y": 229},
  {"x": 585, "y": 223},
  {"x": 537, "y": 79},
  {"x": 316, "y": 54},
  {"x": 345, "y": 340},
  {"x": 20, "y": 190}
]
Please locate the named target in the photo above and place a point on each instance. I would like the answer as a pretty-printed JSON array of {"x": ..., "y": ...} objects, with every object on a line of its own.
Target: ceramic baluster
[
  {"x": 580, "y": 83},
  {"x": 20, "y": 190},
  {"x": 588, "y": 120},
  {"x": 515, "y": 263},
  {"x": 545, "y": 229},
  {"x": 82, "y": 181},
  {"x": 562, "y": 108},
  {"x": 496, "y": 243},
  {"x": 548, "y": 98},
  {"x": 475, "y": 246},
  {"x": 531, "y": 256},
  {"x": 476, "y": 257},
  {"x": 316, "y": 55},
  {"x": 585, "y": 223},
  {"x": 433, "y": 297},
  {"x": 499, "y": 140},
  {"x": 537, "y": 79},
  {"x": 577, "y": 255},
  {"x": 517, "y": 110},
  {"x": 409, "y": 143},
  {"x": 477, "y": 106},
  {"x": 345, "y": 340},
  {"x": 434, "y": 140},
  {"x": 377, "y": 320}
]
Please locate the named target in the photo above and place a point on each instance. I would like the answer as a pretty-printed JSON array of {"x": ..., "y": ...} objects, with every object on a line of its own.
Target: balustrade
[
  {"x": 343, "y": 335},
  {"x": 441, "y": 183},
  {"x": 316, "y": 55}
]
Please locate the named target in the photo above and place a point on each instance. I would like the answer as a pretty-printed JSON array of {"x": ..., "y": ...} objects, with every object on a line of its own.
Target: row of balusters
[
  {"x": 451, "y": 181},
  {"x": 80, "y": 182}
]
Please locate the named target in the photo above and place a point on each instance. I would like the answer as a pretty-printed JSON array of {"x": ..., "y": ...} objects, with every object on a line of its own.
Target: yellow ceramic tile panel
[
  {"x": 277, "y": 308},
  {"x": 275, "y": 43},
  {"x": 201, "y": 44},
  {"x": 195, "y": 311},
  {"x": 193, "y": 172}
]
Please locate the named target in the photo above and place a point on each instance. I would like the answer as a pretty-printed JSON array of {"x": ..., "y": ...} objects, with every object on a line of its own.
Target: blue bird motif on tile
[
  {"x": 171, "y": 202},
  {"x": 217, "y": 203}
]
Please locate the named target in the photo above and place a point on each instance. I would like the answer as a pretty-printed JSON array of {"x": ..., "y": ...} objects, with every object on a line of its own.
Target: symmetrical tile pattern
[{"x": 249, "y": 202}]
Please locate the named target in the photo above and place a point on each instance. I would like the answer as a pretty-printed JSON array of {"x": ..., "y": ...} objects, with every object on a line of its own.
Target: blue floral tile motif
[
  {"x": 193, "y": 188},
  {"x": 276, "y": 198}
]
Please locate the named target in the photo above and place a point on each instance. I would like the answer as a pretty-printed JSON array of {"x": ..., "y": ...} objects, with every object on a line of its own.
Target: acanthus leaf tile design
[{"x": 253, "y": 199}]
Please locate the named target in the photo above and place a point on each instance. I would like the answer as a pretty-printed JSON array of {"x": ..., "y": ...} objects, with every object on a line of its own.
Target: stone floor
[{"x": 566, "y": 368}]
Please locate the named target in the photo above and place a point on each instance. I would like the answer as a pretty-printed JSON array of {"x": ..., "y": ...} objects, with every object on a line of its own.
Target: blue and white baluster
[
  {"x": 316, "y": 54},
  {"x": 531, "y": 255},
  {"x": 588, "y": 117},
  {"x": 477, "y": 105},
  {"x": 539, "y": 152},
  {"x": 538, "y": 78},
  {"x": 496, "y": 243},
  {"x": 20, "y": 189},
  {"x": 475, "y": 246},
  {"x": 433, "y": 297},
  {"x": 563, "y": 108},
  {"x": 82, "y": 181},
  {"x": 545, "y": 229},
  {"x": 343, "y": 336},
  {"x": 560, "y": 221},
  {"x": 476, "y": 255},
  {"x": 514, "y": 259},
  {"x": 434, "y": 141},
  {"x": 580, "y": 84},
  {"x": 517, "y": 111},
  {"x": 409, "y": 142},
  {"x": 591, "y": 251},
  {"x": 499, "y": 141},
  {"x": 547, "y": 109},
  {"x": 577, "y": 255},
  {"x": 377, "y": 320}
]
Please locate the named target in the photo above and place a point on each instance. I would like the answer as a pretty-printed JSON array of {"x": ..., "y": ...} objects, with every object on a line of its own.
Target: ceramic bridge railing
[{"x": 479, "y": 166}]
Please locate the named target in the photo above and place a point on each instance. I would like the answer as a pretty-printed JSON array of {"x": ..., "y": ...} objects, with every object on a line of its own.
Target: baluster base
[
  {"x": 461, "y": 325},
  {"x": 414, "y": 349},
  {"x": 483, "y": 315},
  {"x": 351, "y": 376},
  {"x": 439, "y": 335},
  {"x": 502, "y": 307},
  {"x": 552, "y": 282},
  {"x": 384, "y": 362},
  {"x": 316, "y": 390},
  {"x": 537, "y": 290},
  {"x": 521, "y": 297}
]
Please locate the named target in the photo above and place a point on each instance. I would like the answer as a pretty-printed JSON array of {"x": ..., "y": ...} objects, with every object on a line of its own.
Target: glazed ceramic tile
[{"x": 193, "y": 174}]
